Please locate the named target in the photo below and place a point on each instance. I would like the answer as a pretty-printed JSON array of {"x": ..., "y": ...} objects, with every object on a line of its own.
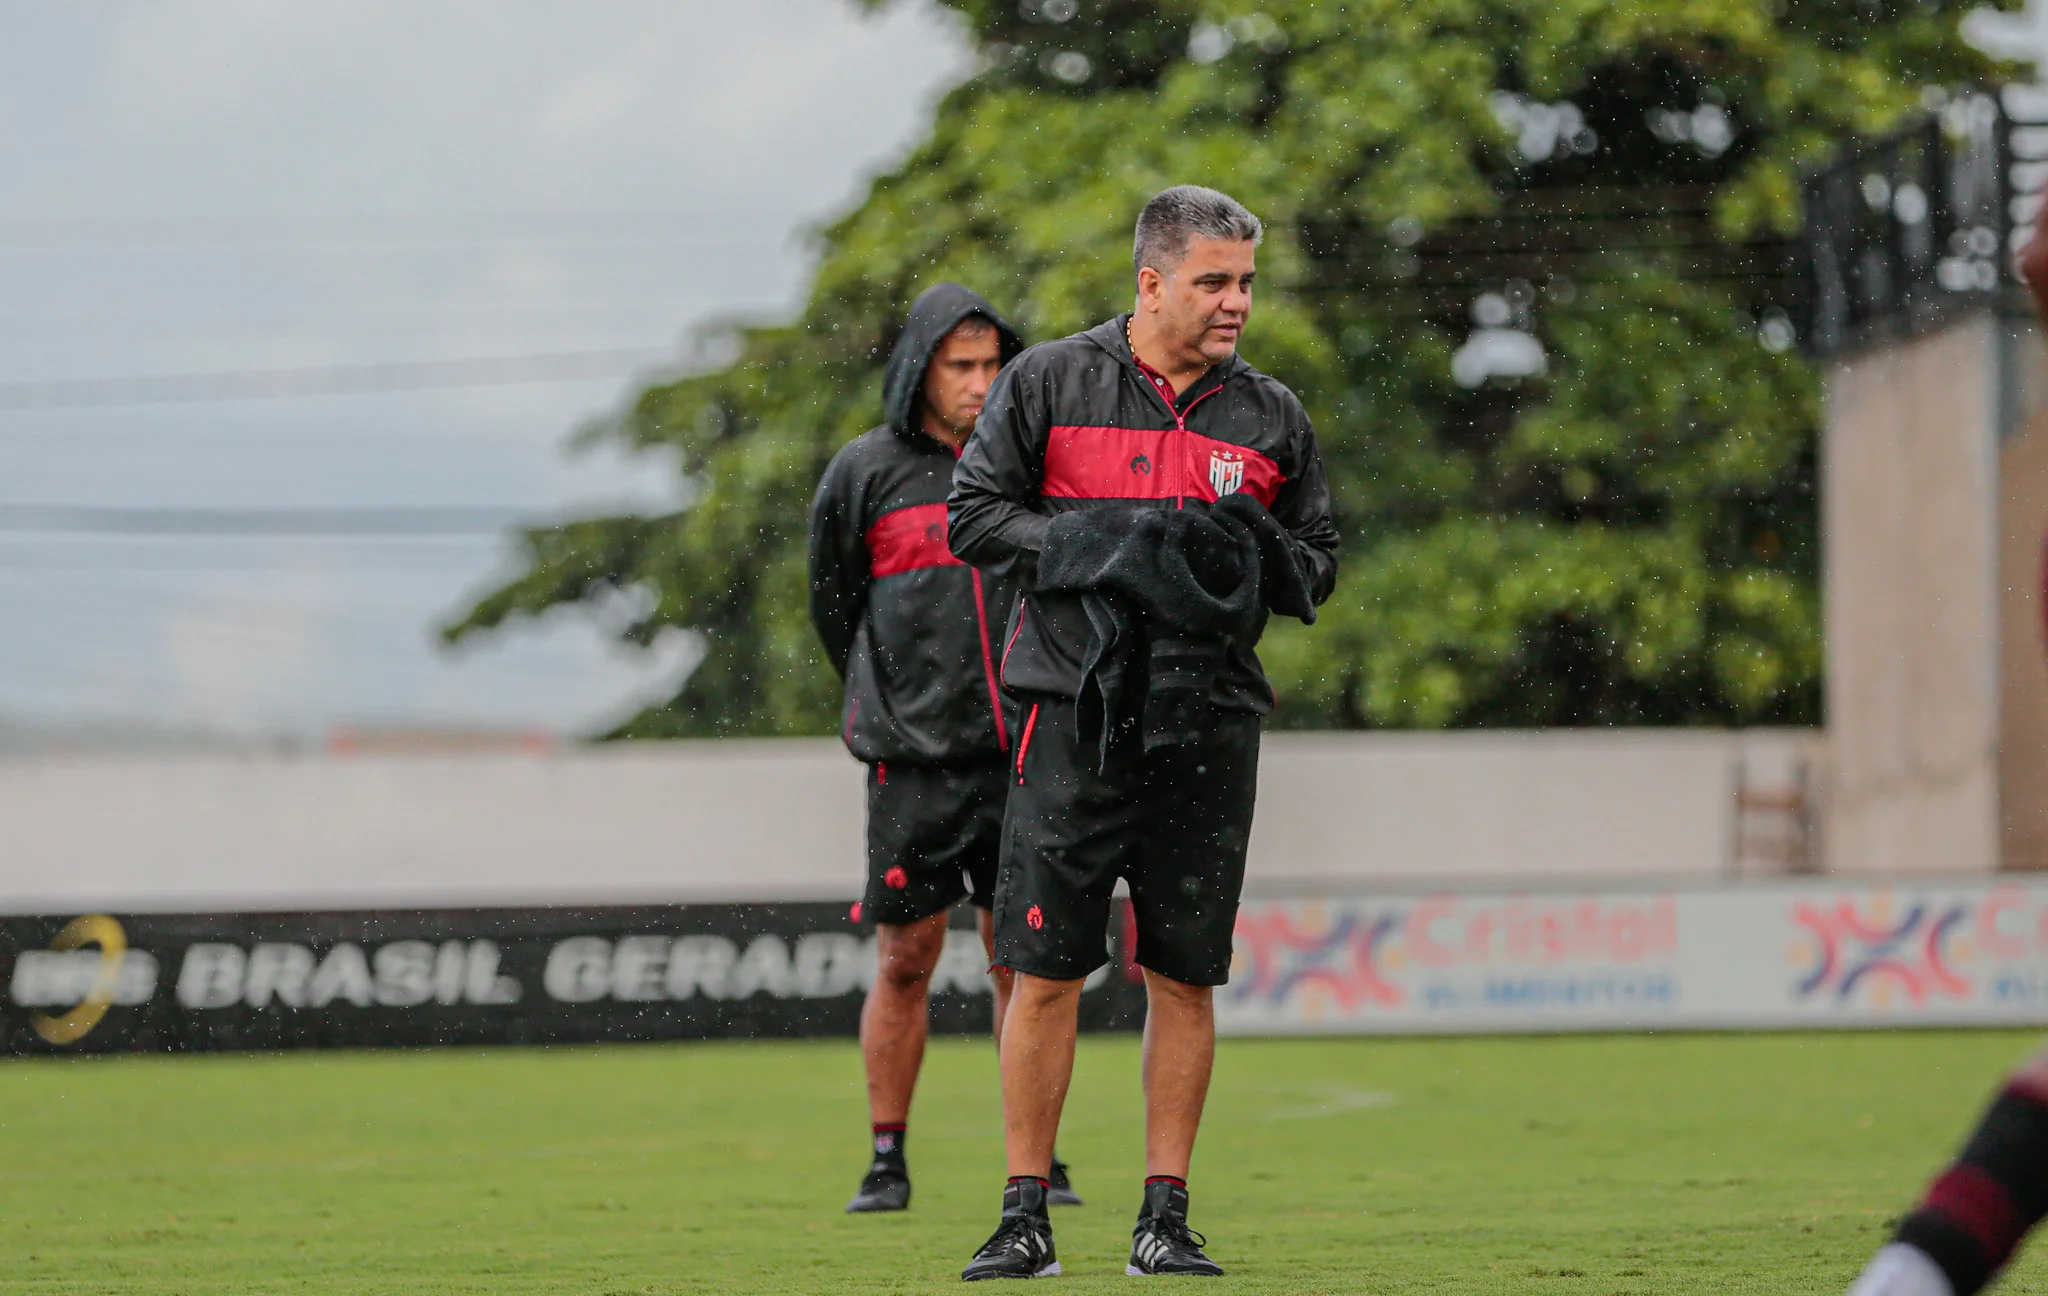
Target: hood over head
[{"x": 936, "y": 312}]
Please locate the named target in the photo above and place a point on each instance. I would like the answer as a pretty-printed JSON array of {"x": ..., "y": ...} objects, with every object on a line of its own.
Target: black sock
[
  {"x": 1013, "y": 1194},
  {"x": 889, "y": 1137},
  {"x": 1172, "y": 1202},
  {"x": 1975, "y": 1214}
]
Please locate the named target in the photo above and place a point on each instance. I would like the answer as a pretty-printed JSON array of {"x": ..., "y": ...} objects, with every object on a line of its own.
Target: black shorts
[
  {"x": 934, "y": 833},
  {"x": 1173, "y": 824}
]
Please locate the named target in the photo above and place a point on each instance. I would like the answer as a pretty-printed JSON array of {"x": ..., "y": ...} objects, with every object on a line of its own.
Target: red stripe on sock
[
  {"x": 2029, "y": 1088},
  {"x": 1981, "y": 1206},
  {"x": 1175, "y": 1180}
]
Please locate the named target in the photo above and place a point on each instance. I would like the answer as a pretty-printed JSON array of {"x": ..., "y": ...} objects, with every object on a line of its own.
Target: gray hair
[{"x": 1184, "y": 212}]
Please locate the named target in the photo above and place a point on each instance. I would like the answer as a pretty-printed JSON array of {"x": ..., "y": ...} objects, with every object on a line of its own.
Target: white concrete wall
[
  {"x": 2023, "y": 605},
  {"x": 782, "y": 820},
  {"x": 1909, "y": 509},
  {"x": 1343, "y": 811}
]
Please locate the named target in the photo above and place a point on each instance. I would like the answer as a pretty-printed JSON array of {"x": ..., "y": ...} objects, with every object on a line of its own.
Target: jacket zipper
[
  {"x": 1024, "y": 743},
  {"x": 1180, "y": 425},
  {"x": 988, "y": 661},
  {"x": 1015, "y": 630}
]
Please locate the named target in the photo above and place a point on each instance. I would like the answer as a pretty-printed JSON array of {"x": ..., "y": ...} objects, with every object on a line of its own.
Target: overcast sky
[{"x": 210, "y": 186}]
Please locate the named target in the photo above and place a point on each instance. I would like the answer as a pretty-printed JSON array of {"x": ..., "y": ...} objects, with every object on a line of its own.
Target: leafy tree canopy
[{"x": 1625, "y": 535}]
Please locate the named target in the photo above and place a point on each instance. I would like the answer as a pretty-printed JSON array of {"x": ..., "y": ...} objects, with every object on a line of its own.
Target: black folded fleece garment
[{"x": 1167, "y": 592}]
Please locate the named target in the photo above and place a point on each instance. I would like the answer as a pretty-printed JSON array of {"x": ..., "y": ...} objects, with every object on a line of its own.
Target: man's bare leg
[
  {"x": 1038, "y": 1065},
  {"x": 1062, "y": 1191},
  {"x": 894, "y": 1022},
  {"x": 1180, "y": 1052},
  {"x": 1036, "y": 1055},
  {"x": 893, "y": 1029},
  {"x": 1005, "y": 980}
]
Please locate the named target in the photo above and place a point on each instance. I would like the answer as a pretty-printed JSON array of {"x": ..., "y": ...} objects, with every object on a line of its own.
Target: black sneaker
[
  {"x": 1062, "y": 1191},
  {"x": 1162, "y": 1243},
  {"x": 1022, "y": 1244},
  {"x": 886, "y": 1188}
]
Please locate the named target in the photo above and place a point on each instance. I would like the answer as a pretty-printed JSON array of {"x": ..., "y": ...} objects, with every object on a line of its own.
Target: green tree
[{"x": 1626, "y": 536}]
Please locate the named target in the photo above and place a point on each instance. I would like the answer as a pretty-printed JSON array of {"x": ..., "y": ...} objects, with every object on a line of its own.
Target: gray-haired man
[{"x": 1088, "y": 448}]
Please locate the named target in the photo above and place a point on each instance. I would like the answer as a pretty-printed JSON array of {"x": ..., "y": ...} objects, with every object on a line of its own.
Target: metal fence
[{"x": 1904, "y": 231}]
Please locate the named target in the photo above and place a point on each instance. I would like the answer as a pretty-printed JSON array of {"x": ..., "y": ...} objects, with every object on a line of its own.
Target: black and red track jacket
[
  {"x": 911, "y": 629},
  {"x": 1080, "y": 422}
]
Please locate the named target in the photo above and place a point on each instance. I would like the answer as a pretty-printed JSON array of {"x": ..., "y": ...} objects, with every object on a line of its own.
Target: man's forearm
[{"x": 991, "y": 531}]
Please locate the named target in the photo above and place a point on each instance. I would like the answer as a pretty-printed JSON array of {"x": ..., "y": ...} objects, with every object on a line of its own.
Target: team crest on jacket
[{"x": 1226, "y": 472}]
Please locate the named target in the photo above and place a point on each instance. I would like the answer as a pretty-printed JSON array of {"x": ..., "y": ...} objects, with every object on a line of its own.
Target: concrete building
[{"x": 1934, "y": 472}]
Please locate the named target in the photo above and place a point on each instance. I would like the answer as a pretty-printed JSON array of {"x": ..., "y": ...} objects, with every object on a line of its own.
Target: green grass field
[{"x": 1576, "y": 1165}]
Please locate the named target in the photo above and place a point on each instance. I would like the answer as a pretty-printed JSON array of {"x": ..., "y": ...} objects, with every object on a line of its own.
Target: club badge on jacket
[{"x": 1226, "y": 472}]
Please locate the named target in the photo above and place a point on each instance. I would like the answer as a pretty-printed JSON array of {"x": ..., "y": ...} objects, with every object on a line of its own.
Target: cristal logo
[
  {"x": 896, "y": 879},
  {"x": 1354, "y": 957},
  {"x": 84, "y": 981},
  {"x": 935, "y": 532},
  {"x": 1034, "y": 918},
  {"x": 1141, "y": 466}
]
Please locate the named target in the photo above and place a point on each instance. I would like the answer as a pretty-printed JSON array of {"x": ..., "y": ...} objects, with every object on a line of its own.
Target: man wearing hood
[{"x": 912, "y": 632}]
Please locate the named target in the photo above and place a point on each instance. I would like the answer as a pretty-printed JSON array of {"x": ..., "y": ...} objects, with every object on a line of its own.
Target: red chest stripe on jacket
[
  {"x": 1136, "y": 463},
  {"x": 909, "y": 539}
]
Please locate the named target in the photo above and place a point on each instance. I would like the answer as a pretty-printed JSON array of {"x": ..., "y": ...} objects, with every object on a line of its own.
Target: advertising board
[
  {"x": 1816, "y": 955},
  {"x": 177, "y": 982},
  {"x": 1819, "y": 955}
]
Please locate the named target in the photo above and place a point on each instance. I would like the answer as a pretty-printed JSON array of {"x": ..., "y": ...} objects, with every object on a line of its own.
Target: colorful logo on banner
[
  {"x": 1284, "y": 950},
  {"x": 1881, "y": 953},
  {"x": 85, "y": 981},
  {"x": 1448, "y": 955}
]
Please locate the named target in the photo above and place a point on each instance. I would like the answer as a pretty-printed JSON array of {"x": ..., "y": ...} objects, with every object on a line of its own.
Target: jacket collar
[
  {"x": 1113, "y": 336},
  {"x": 922, "y": 441}
]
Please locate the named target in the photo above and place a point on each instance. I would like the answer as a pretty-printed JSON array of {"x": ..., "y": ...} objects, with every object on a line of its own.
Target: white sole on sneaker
[
  {"x": 1902, "y": 1269},
  {"x": 1132, "y": 1271},
  {"x": 1050, "y": 1271}
]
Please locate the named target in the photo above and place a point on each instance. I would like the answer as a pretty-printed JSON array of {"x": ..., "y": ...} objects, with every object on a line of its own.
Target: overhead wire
[
  {"x": 40, "y": 527},
  {"x": 324, "y": 380},
  {"x": 373, "y": 520}
]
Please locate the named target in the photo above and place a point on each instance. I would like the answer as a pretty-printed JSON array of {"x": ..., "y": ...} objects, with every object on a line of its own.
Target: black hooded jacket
[
  {"x": 911, "y": 629},
  {"x": 1080, "y": 424}
]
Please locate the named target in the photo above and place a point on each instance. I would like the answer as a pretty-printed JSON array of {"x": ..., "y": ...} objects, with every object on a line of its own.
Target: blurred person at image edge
[
  {"x": 1978, "y": 1210},
  {"x": 1156, "y": 497},
  {"x": 911, "y": 631}
]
